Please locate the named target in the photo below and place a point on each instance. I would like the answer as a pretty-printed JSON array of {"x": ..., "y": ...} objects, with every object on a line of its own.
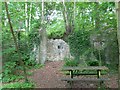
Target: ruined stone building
[{"x": 57, "y": 50}]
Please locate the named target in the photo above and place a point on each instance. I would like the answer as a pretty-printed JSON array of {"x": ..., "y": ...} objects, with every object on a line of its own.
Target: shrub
[
  {"x": 8, "y": 68},
  {"x": 93, "y": 63},
  {"x": 9, "y": 72},
  {"x": 70, "y": 62},
  {"x": 79, "y": 43},
  {"x": 19, "y": 85}
]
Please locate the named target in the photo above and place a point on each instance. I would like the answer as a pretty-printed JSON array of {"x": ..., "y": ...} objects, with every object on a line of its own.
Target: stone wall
[{"x": 57, "y": 50}]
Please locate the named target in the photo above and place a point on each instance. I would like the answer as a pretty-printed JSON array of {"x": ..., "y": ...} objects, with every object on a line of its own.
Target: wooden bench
[
  {"x": 98, "y": 70},
  {"x": 84, "y": 79}
]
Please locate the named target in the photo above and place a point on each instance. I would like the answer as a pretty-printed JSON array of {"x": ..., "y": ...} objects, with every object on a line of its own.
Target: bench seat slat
[
  {"x": 85, "y": 68},
  {"x": 84, "y": 74},
  {"x": 84, "y": 79}
]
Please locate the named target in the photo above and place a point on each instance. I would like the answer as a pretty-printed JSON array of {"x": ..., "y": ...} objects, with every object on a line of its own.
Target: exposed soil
[{"x": 50, "y": 77}]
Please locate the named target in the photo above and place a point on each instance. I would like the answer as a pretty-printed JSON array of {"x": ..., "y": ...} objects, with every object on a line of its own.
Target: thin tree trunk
[
  {"x": 15, "y": 41},
  {"x": 67, "y": 20},
  {"x": 97, "y": 19},
  {"x": 43, "y": 44},
  {"x": 118, "y": 37},
  {"x": 26, "y": 17},
  {"x": 74, "y": 12},
  {"x": 5, "y": 22},
  {"x": 1, "y": 57},
  {"x": 107, "y": 57},
  {"x": 65, "y": 16},
  {"x": 30, "y": 17}
]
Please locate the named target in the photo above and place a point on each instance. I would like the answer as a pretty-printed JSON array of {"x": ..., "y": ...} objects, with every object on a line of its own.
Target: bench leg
[
  {"x": 98, "y": 73},
  {"x": 71, "y": 84},
  {"x": 71, "y": 73},
  {"x": 98, "y": 76},
  {"x": 71, "y": 76},
  {"x": 102, "y": 85}
]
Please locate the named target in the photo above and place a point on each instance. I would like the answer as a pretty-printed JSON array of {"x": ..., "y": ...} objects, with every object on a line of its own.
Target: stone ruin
[{"x": 57, "y": 50}]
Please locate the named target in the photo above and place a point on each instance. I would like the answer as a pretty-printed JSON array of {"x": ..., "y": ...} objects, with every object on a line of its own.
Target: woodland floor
[{"x": 50, "y": 76}]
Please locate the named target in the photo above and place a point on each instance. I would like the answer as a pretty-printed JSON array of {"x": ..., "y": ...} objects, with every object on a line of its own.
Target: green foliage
[
  {"x": 79, "y": 43},
  {"x": 56, "y": 34},
  {"x": 27, "y": 38},
  {"x": 29, "y": 73},
  {"x": 93, "y": 63},
  {"x": 11, "y": 78},
  {"x": 84, "y": 24},
  {"x": 9, "y": 68},
  {"x": 8, "y": 74},
  {"x": 56, "y": 29},
  {"x": 19, "y": 85},
  {"x": 33, "y": 38},
  {"x": 38, "y": 66},
  {"x": 13, "y": 72},
  {"x": 70, "y": 62},
  {"x": 30, "y": 63}
]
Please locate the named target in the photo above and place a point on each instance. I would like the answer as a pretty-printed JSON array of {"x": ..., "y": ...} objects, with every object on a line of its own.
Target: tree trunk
[
  {"x": 43, "y": 44},
  {"x": 65, "y": 16},
  {"x": 73, "y": 21},
  {"x": 97, "y": 19},
  {"x": 67, "y": 20},
  {"x": 5, "y": 22},
  {"x": 16, "y": 45},
  {"x": 1, "y": 44},
  {"x": 107, "y": 57},
  {"x": 26, "y": 17},
  {"x": 30, "y": 17},
  {"x": 118, "y": 37},
  {"x": 74, "y": 11}
]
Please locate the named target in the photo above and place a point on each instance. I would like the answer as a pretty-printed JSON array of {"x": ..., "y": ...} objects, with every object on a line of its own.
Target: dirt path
[{"x": 50, "y": 77}]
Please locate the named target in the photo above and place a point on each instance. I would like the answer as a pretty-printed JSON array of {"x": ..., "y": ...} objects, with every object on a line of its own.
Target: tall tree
[
  {"x": 97, "y": 19},
  {"x": 65, "y": 17},
  {"x": 69, "y": 17},
  {"x": 74, "y": 11},
  {"x": 1, "y": 42},
  {"x": 15, "y": 41},
  {"x": 118, "y": 36},
  {"x": 26, "y": 16},
  {"x": 43, "y": 47},
  {"x": 30, "y": 16}
]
